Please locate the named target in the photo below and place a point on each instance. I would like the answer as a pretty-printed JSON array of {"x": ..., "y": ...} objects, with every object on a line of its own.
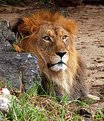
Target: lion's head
[{"x": 50, "y": 36}]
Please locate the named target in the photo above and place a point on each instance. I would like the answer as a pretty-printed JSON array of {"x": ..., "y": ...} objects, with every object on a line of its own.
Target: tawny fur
[{"x": 70, "y": 81}]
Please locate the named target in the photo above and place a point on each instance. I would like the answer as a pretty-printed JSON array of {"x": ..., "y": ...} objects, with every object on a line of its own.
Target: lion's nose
[{"x": 61, "y": 54}]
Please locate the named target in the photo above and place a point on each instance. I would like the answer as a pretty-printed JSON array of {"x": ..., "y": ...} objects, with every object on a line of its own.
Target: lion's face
[
  {"x": 53, "y": 44},
  {"x": 50, "y": 37}
]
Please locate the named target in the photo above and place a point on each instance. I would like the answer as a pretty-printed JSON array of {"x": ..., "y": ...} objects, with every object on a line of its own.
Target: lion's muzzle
[{"x": 58, "y": 62}]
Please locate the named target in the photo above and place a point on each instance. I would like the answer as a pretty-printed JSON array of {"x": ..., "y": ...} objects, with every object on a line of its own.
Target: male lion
[{"x": 50, "y": 36}]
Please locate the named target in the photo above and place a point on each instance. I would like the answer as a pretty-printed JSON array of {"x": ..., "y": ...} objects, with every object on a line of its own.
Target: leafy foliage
[
  {"x": 18, "y": 2},
  {"x": 11, "y": 2}
]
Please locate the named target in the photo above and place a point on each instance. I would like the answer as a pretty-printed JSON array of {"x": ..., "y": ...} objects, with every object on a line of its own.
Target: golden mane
[
  {"x": 50, "y": 36},
  {"x": 28, "y": 25}
]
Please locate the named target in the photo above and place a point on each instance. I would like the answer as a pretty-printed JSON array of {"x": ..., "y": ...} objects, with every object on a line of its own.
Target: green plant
[
  {"x": 11, "y": 2},
  {"x": 99, "y": 115},
  {"x": 76, "y": 117},
  {"x": 25, "y": 112},
  {"x": 3, "y": 117},
  {"x": 35, "y": 107}
]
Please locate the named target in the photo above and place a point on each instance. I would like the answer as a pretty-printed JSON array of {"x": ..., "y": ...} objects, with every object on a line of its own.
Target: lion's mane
[{"x": 70, "y": 81}]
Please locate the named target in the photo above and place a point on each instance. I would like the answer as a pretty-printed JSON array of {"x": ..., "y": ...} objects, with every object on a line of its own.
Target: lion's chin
[{"x": 58, "y": 67}]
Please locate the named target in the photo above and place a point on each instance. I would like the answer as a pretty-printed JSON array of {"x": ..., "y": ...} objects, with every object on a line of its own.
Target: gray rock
[
  {"x": 15, "y": 67},
  {"x": 6, "y": 36}
]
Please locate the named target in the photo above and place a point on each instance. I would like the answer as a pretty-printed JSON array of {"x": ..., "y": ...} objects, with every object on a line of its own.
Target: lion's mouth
[{"x": 59, "y": 63}]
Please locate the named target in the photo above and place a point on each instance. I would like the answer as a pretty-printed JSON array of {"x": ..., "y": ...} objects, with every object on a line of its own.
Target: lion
[{"x": 50, "y": 36}]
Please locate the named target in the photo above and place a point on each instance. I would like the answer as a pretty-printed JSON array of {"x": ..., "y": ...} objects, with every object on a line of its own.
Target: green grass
[
  {"x": 26, "y": 112},
  {"x": 99, "y": 115},
  {"x": 34, "y": 107}
]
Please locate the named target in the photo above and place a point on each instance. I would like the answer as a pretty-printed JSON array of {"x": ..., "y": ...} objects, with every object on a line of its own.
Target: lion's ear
[
  {"x": 24, "y": 26},
  {"x": 69, "y": 25}
]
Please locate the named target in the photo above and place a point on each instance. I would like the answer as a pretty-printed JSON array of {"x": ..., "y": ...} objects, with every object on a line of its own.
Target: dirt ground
[{"x": 89, "y": 39}]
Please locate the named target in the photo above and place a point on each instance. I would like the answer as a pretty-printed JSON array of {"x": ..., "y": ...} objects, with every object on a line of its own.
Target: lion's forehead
[{"x": 52, "y": 30}]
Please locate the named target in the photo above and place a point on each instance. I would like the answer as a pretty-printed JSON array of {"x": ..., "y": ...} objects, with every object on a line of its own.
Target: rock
[
  {"x": 15, "y": 67},
  {"x": 6, "y": 100},
  {"x": 3, "y": 42}
]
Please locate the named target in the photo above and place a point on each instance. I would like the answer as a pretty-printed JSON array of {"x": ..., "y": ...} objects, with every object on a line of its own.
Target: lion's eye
[
  {"x": 65, "y": 37},
  {"x": 46, "y": 38}
]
